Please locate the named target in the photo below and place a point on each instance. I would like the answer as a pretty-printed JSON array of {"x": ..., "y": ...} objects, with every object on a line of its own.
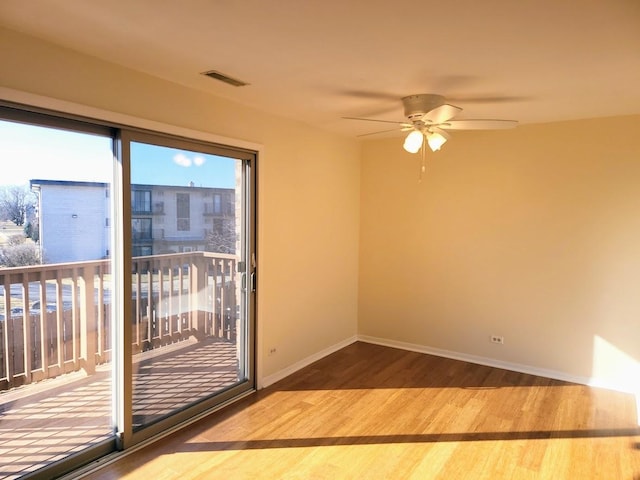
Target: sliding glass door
[
  {"x": 190, "y": 241},
  {"x": 127, "y": 261},
  {"x": 56, "y": 344}
]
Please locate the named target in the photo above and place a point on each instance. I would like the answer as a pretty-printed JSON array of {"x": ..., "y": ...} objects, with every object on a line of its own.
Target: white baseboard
[
  {"x": 273, "y": 378},
  {"x": 491, "y": 362}
]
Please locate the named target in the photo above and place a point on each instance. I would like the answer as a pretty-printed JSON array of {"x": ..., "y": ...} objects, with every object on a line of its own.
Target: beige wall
[
  {"x": 308, "y": 189},
  {"x": 532, "y": 234}
]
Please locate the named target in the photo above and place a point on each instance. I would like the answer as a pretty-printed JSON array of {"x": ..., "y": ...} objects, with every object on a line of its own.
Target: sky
[{"x": 30, "y": 152}]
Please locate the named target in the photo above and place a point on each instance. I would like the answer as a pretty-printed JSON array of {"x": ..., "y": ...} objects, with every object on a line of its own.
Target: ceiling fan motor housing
[{"x": 415, "y": 106}]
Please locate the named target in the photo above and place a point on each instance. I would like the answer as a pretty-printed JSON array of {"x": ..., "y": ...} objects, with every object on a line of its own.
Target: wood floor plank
[{"x": 375, "y": 412}]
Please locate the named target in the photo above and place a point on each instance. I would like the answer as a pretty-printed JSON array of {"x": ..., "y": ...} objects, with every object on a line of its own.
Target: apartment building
[{"x": 74, "y": 219}]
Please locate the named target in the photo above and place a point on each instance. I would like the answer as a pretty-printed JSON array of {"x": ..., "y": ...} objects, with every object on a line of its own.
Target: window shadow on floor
[{"x": 397, "y": 439}]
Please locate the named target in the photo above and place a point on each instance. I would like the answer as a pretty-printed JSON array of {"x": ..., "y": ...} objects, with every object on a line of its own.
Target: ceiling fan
[{"x": 429, "y": 118}]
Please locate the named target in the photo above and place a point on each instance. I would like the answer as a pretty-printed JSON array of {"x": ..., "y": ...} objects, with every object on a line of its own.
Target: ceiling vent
[{"x": 224, "y": 78}]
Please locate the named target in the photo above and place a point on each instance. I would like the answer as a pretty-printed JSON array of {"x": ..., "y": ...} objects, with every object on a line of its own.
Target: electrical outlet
[
  {"x": 272, "y": 351},
  {"x": 497, "y": 339}
]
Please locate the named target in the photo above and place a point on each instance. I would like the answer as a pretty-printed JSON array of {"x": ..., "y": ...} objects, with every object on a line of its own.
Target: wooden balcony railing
[{"x": 58, "y": 318}]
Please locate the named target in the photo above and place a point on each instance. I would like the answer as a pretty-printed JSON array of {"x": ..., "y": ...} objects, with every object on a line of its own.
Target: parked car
[
  {"x": 35, "y": 308},
  {"x": 50, "y": 307}
]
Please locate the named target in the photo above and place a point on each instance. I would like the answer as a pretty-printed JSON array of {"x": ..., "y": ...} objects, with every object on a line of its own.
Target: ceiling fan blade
[
  {"x": 478, "y": 124},
  {"x": 441, "y": 114},
  {"x": 440, "y": 131},
  {"x": 488, "y": 99},
  {"x": 402, "y": 124},
  {"x": 370, "y": 95},
  {"x": 381, "y": 131}
]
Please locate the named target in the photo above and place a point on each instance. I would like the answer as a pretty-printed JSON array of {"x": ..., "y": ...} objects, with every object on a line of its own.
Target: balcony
[
  {"x": 56, "y": 346},
  {"x": 158, "y": 208}
]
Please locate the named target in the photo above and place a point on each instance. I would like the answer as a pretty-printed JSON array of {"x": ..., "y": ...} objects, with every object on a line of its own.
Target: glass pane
[
  {"x": 186, "y": 237},
  {"x": 55, "y": 290}
]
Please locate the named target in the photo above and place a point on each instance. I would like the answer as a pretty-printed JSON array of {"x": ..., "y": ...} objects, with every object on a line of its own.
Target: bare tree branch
[{"x": 16, "y": 202}]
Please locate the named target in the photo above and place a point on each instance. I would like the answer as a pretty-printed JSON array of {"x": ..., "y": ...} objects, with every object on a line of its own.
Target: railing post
[
  {"x": 233, "y": 280},
  {"x": 87, "y": 321},
  {"x": 101, "y": 332},
  {"x": 8, "y": 336},
  {"x": 41, "y": 324},
  {"x": 197, "y": 295},
  {"x": 26, "y": 332}
]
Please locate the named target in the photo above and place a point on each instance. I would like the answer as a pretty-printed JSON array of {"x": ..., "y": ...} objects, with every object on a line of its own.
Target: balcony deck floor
[{"x": 45, "y": 422}]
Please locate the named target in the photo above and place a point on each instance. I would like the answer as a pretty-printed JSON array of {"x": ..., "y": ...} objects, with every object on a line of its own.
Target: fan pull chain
[{"x": 423, "y": 162}]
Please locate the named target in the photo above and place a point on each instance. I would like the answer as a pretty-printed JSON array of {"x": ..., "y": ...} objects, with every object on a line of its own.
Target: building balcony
[
  {"x": 56, "y": 331},
  {"x": 158, "y": 208}
]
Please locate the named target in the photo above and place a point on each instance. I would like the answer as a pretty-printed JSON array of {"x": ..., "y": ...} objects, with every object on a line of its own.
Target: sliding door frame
[
  {"x": 38, "y": 110},
  {"x": 128, "y": 436},
  {"x": 38, "y": 117}
]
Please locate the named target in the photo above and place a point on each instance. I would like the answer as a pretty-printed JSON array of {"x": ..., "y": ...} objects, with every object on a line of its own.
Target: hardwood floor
[
  {"x": 372, "y": 412},
  {"x": 43, "y": 422}
]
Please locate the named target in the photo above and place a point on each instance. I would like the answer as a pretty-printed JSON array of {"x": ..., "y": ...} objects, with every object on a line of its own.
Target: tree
[
  {"x": 18, "y": 253},
  {"x": 31, "y": 230},
  {"x": 16, "y": 202},
  {"x": 223, "y": 237}
]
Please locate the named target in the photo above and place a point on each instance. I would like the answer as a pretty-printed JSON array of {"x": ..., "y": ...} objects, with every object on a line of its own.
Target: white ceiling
[{"x": 320, "y": 60}]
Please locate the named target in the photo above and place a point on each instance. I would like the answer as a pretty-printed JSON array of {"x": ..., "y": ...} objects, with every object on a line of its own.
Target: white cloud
[
  {"x": 182, "y": 160},
  {"x": 185, "y": 161}
]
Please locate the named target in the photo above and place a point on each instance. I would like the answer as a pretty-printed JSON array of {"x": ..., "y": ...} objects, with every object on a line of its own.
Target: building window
[
  {"x": 141, "y": 250},
  {"x": 183, "y": 212},
  {"x": 141, "y": 201},
  {"x": 141, "y": 229}
]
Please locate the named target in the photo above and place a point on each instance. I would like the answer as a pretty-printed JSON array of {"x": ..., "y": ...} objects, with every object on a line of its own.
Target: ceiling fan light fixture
[
  {"x": 430, "y": 118},
  {"x": 413, "y": 142},
  {"x": 435, "y": 141}
]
